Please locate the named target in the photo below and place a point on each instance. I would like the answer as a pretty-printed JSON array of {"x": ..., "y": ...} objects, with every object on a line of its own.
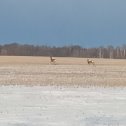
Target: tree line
[{"x": 15, "y": 49}]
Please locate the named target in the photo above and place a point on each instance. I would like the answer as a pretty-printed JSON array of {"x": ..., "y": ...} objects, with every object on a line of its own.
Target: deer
[
  {"x": 52, "y": 60},
  {"x": 90, "y": 62}
]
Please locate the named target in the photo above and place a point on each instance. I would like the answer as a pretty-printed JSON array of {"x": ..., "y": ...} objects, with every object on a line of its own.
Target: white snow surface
[{"x": 62, "y": 106}]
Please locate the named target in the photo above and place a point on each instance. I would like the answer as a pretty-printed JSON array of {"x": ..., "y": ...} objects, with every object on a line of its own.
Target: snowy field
[
  {"x": 62, "y": 106},
  {"x": 70, "y": 93}
]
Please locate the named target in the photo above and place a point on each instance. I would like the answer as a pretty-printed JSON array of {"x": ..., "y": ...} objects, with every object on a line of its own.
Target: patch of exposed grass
[{"x": 68, "y": 72}]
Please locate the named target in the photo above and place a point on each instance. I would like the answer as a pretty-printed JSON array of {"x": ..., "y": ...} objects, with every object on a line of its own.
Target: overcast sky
[{"x": 63, "y": 22}]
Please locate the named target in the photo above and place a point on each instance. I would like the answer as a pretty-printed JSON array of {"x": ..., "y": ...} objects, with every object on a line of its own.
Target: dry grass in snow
[{"x": 68, "y": 71}]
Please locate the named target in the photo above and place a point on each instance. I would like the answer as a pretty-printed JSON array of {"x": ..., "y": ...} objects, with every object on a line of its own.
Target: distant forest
[{"x": 15, "y": 49}]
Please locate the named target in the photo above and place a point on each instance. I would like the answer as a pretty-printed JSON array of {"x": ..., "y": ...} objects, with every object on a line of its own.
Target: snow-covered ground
[{"x": 61, "y": 106}]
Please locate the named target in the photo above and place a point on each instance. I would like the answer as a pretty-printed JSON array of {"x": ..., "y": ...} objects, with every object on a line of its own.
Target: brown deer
[
  {"x": 52, "y": 61},
  {"x": 90, "y": 62}
]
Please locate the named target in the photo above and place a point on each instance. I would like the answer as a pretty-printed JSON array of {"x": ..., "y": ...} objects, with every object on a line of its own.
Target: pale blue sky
[{"x": 63, "y": 22}]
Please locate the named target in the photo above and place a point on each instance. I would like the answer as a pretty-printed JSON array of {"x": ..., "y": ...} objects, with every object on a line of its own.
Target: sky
[{"x": 88, "y": 23}]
